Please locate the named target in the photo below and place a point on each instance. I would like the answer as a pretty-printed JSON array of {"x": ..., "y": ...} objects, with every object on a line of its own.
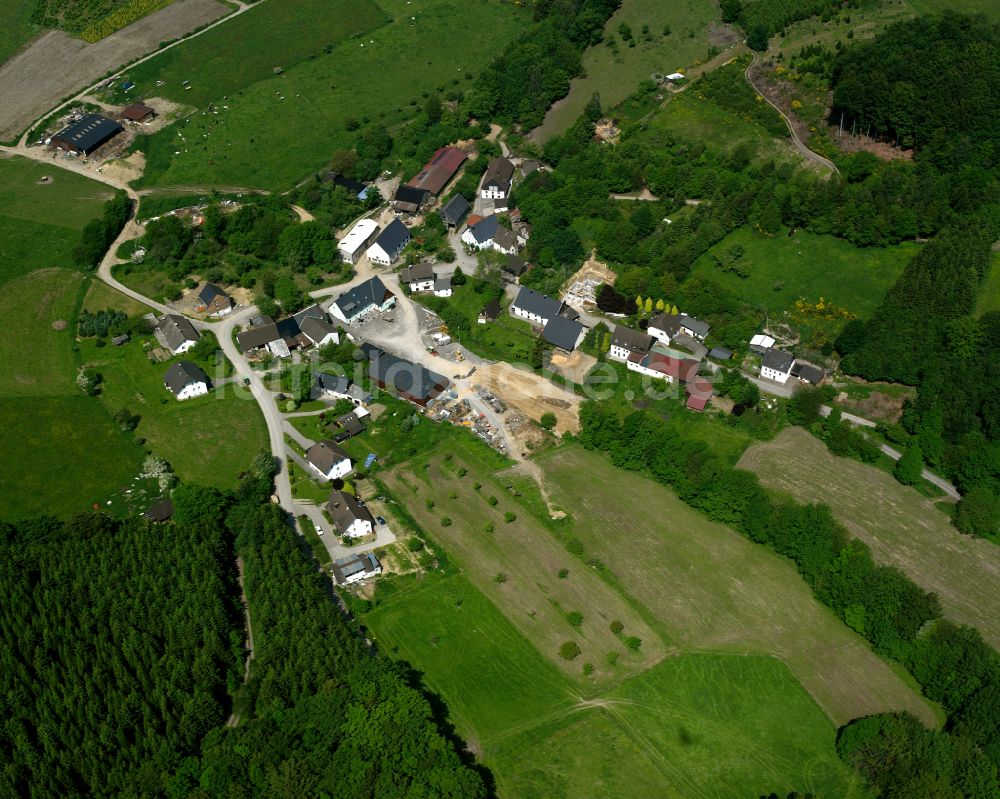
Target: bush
[
  {"x": 617, "y": 627},
  {"x": 978, "y": 513},
  {"x": 570, "y": 650},
  {"x": 509, "y": 516},
  {"x": 575, "y": 618},
  {"x": 563, "y": 574},
  {"x": 414, "y": 544},
  {"x": 445, "y": 521},
  {"x": 588, "y": 669},
  {"x": 632, "y": 643},
  {"x": 493, "y": 501},
  {"x": 548, "y": 420},
  {"x": 500, "y": 578},
  {"x": 612, "y": 658}
]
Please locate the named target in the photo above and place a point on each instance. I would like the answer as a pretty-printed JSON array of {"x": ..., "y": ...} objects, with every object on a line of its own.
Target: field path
[
  {"x": 902, "y": 528},
  {"x": 234, "y": 719}
]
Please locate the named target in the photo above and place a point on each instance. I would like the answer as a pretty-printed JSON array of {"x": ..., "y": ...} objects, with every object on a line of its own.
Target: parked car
[
  {"x": 319, "y": 530},
  {"x": 380, "y": 520}
]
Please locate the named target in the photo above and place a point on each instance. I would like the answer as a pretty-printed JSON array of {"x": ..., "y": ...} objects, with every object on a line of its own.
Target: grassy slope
[
  {"x": 614, "y": 77},
  {"x": 902, "y": 528},
  {"x": 266, "y": 141},
  {"x": 712, "y": 603},
  {"x": 17, "y": 29},
  {"x": 987, "y": 7},
  {"x": 806, "y": 266}
]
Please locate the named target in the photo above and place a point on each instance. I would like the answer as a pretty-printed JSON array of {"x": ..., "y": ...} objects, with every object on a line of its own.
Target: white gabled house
[
  {"x": 442, "y": 287},
  {"x": 625, "y": 342},
  {"x": 185, "y": 380},
  {"x": 328, "y": 460},
  {"x": 349, "y": 515},
  {"x": 535, "y": 307},
  {"x": 506, "y": 241},
  {"x": 497, "y": 180},
  {"x": 363, "y": 299},
  {"x": 479, "y": 234},
  {"x": 663, "y": 327},
  {"x": 176, "y": 333},
  {"x": 389, "y": 244},
  {"x": 356, "y": 568},
  {"x": 357, "y": 240},
  {"x": 418, "y": 278},
  {"x": 694, "y": 328},
  {"x": 777, "y": 366}
]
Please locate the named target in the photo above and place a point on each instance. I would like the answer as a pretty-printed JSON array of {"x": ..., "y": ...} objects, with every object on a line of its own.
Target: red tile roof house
[{"x": 674, "y": 370}]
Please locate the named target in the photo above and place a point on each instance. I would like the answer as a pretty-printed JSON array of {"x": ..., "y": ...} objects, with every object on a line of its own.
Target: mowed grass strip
[
  {"x": 902, "y": 528},
  {"x": 989, "y": 291},
  {"x": 282, "y": 128},
  {"x": 529, "y": 558},
  {"x": 783, "y": 269},
  {"x": 714, "y": 590}
]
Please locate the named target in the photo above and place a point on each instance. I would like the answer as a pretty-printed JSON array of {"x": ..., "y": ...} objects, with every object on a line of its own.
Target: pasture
[
  {"x": 902, "y": 528},
  {"x": 687, "y": 727},
  {"x": 17, "y": 29},
  {"x": 284, "y": 127},
  {"x": 785, "y": 268},
  {"x": 613, "y": 69}
]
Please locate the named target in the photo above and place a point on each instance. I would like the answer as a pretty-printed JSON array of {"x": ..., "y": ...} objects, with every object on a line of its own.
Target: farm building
[
  {"x": 454, "y": 211},
  {"x": 137, "y": 112},
  {"x": 86, "y": 135},
  {"x": 358, "y": 239},
  {"x": 439, "y": 170},
  {"x": 409, "y": 380},
  {"x": 356, "y": 188},
  {"x": 409, "y": 200}
]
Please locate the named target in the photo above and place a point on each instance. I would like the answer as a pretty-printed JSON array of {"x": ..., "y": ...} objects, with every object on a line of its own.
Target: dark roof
[
  {"x": 89, "y": 133},
  {"x": 562, "y": 332},
  {"x": 631, "y": 339},
  {"x": 485, "y": 229},
  {"x": 408, "y": 195},
  {"x": 210, "y": 292},
  {"x": 351, "y": 424},
  {"x": 721, "y": 353},
  {"x": 371, "y": 352},
  {"x": 257, "y": 337},
  {"x": 500, "y": 171},
  {"x": 442, "y": 283},
  {"x": 345, "y": 509},
  {"x": 538, "y": 304},
  {"x": 417, "y": 273},
  {"x": 514, "y": 265},
  {"x": 439, "y": 170},
  {"x": 328, "y": 382},
  {"x": 136, "y": 112},
  {"x": 492, "y": 310},
  {"x": 393, "y": 237},
  {"x": 182, "y": 374},
  {"x": 808, "y": 372},
  {"x": 160, "y": 511},
  {"x": 665, "y": 322},
  {"x": 406, "y": 377},
  {"x": 317, "y": 328},
  {"x": 779, "y": 360},
  {"x": 700, "y": 328},
  {"x": 176, "y": 330},
  {"x": 345, "y": 567},
  {"x": 371, "y": 292},
  {"x": 455, "y": 210},
  {"x": 528, "y": 166},
  {"x": 324, "y": 454},
  {"x": 505, "y": 238},
  {"x": 350, "y": 184}
]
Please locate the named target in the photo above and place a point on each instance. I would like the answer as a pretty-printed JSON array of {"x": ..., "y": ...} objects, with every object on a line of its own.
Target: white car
[{"x": 319, "y": 530}]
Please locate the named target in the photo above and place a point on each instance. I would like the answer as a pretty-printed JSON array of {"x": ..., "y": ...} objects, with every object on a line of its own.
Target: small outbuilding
[{"x": 137, "y": 112}]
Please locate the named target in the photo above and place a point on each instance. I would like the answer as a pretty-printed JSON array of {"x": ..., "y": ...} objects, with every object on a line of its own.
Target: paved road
[{"x": 770, "y": 387}]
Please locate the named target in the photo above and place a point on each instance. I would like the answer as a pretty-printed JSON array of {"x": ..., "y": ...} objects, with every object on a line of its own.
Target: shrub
[
  {"x": 575, "y": 618},
  {"x": 588, "y": 669},
  {"x": 446, "y": 521},
  {"x": 414, "y": 544},
  {"x": 617, "y": 627},
  {"x": 632, "y": 643},
  {"x": 612, "y": 658},
  {"x": 563, "y": 574},
  {"x": 493, "y": 501},
  {"x": 500, "y": 579},
  {"x": 489, "y": 527},
  {"x": 509, "y": 516},
  {"x": 569, "y": 650},
  {"x": 548, "y": 420}
]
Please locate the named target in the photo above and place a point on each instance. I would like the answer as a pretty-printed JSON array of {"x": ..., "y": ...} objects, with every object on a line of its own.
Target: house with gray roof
[
  {"x": 320, "y": 330},
  {"x": 566, "y": 334},
  {"x": 350, "y": 425},
  {"x": 512, "y": 268},
  {"x": 176, "y": 333},
  {"x": 328, "y": 460},
  {"x": 455, "y": 210},
  {"x": 356, "y": 568},
  {"x": 497, "y": 179},
  {"x": 480, "y": 235},
  {"x": 338, "y": 387},
  {"x": 535, "y": 307},
  {"x": 389, "y": 243},
  {"x": 215, "y": 300},
  {"x": 625, "y": 341},
  {"x": 694, "y": 327},
  {"x": 186, "y": 380},
  {"x": 349, "y": 515},
  {"x": 419, "y": 277},
  {"x": 363, "y": 299},
  {"x": 409, "y": 380},
  {"x": 807, "y": 373},
  {"x": 776, "y": 365},
  {"x": 506, "y": 241},
  {"x": 86, "y": 134},
  {"x": 442, "y": 287},
  {"x": 663, "y": 327}
]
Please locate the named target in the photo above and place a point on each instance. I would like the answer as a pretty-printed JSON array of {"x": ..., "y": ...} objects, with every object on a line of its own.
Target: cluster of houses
[
  {"x": 557, "y": 320},
  {"x": 309, "y": 327},
  {"x": 780, "y": 366},
  {"x": 421, "y": 279}
]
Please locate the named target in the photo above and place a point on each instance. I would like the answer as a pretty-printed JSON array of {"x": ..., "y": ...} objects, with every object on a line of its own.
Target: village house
[
  {"x": 776, "y": 366},
  {"x": 491, "y": 312},
  {"x": 565, "y": 334},
  {"x": 336, "y": 387},
  {"x": 350, "y": 424},
  {"x": 439, "y": 170},
  {"x": 663, "y": 327},
  {"x": 389, "y": 244},
  {"x": 807, "y": 373},
  {"x": 557, "y": 319},
  {"x": 349, "y": 515},
  {"x": 309, "y": 327},
  {"x": 409, "y": 380},
  {"x": 186, "y": 380},
  {"x": 86, "y": 135},
  {"x": 442, "y": 287},
  {"x": 663, "y": 367},
  {"x": 625, "y": 342},
  {"x": 506, "y": 241},
  {"x": 328, "y": 460},
  {"x": 512, "y": 268},
  {"x": 454, "y": 211},
  {"x": 694, "y": 328},
  {"x": 497, "y": 180},
  {"x": 479, "y": 234},
  {"x": 215, "y": 300},
  {"x": 355, "y": 568},
  {"x": 357, "y": 240},
  {"x": 419, "y": 277},
  {"x": 409, "y": 200},
  {"x": 176, "y": 333},
  {"x": 363, "y": 299}
]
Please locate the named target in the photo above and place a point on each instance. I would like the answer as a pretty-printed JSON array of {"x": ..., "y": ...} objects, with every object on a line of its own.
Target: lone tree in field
[
  {"x": 909, "y": 467},
  {"x": 548, "y": 420},
  {"x": 569, "y": 650}
]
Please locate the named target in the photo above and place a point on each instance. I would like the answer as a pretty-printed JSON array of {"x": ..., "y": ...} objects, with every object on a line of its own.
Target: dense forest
[
  {"x": 122, "y": 651},
  {"x": 953, "y": 665}
]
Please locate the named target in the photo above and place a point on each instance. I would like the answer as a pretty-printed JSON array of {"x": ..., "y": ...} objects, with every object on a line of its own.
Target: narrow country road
[{"x": 808, "y": 154}]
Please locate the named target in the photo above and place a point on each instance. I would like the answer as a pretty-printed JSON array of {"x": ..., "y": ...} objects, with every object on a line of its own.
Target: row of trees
[
  {"x": 99, "y": 234},
  {"x": 952, "y": 664}
]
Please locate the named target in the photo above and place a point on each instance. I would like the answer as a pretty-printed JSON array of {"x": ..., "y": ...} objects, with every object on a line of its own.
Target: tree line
[
  {"x": 99, "y": 234},
  {"x": 952, "y": 664}
]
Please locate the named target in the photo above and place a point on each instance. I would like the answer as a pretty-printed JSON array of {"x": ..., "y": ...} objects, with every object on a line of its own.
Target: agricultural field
[
  {"x": 902, "y": 528},
  {"x": 17, "y": 29},
  {"x": 783, "y": 269},
  {"x": 614, "y": 70},
  {"x": 281, "y": 128}
]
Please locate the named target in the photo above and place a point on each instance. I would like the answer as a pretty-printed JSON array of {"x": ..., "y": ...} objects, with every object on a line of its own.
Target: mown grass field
[
  {"x": 902, "y": 528},
  {"x": 17, "y": 29},
  {"x": 616, "y": 73},
  {"x": 784, "y": 269},
  {"x": 283, "y": 127}
]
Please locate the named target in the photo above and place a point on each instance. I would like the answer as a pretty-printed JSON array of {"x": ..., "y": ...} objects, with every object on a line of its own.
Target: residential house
[
  {"x": 663, "y": 327},
  {"x": 338, "y": 387},
  {"x": 777, "y": 366},
  {"x": 328, "y": 460},
  {"x": 86, "y": 134},
  {"x": 537, "y": 308},
  {"x": 389, "y": 244},
  {"x": 310, "y": 326},
  {"x": 176, "y": 333},
  {"x": 491, "y": 312},
  {"x": 439, "y": 170},
  {"x": 215, "y": 300},
  {"x": 363, "y": 299},
  {"x": 720, "y": 353},
  {"x": 479, "y": 235},
  {"x": 356, "y": 568},
  {"x": 442, "y": 287},
  {"x": 349, "y": 515},
  {"x": 663, "y": 367},
  {"x": 409, "y": 200},
  {"x": 760, "y": 344},
  {"x": 419, "y": 277},
  {"x": 320, "y": 330},
  {"x": 694, "y": 327},
  {"x": 566, "y": 334},
  {"x": 807, "y": 373},
  {"x": 506, "y": 241},
  {"x": 625, "y": 341},
  {"x": 409, "y": 380},
  {"x": 512, "y": 268},
  {"x": 497, "y": 180},
  {"x": 350, "y": 425},
  {"x": 357, "y": 240},
  {"x": 186, "y": 380},
  {"x": 455, "y": 210}
]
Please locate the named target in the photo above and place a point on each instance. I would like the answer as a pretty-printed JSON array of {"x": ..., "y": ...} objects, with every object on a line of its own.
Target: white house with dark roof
[
  {"x": 480, "y": 235},
  {"x": 777, "y": 366},
  {"x": 506, "y": 241},
  {"x": 566, "y": 334},
  {"x": 363, "y": 299},
  {"x": 338, "y": 387},
  {"x": 349, "y": 515},
  {"x": 625, "y": 341},
  {"x": 694, "y": 327},
  {"x": 357, "y": 240},
  {"x": 328, "y": 460},
  {"x": 356, "y": 568},
  {"x": 418, "y": 278},
  {"x": 497, "y": 179},
  {"x": 185, "y": 380},
  {"x": 176, "y": 333},
  {"x": 442, "y": 287},
  {"x": 663, "y": 327},
  {"x": 534, "y": 307},
  {"x": 389, "y": 244},
  {"x": 215, "y": 300}
]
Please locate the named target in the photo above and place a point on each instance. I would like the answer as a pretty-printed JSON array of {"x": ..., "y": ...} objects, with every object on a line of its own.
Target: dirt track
[{"x": 55, "y": 64}]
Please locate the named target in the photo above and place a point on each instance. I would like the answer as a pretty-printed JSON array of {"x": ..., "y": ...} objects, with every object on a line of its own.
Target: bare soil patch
[
  {"x": 531, "y": 394},
  {"x": 55, "y": 64},
  {"x": 125, "y": 169},
  {"x": 573, "y": 366},
  {"x": 60, "y": 324}
]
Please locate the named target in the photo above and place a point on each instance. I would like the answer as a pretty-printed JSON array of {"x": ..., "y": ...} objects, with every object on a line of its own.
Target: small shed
[{"x": 137, "y": 112}]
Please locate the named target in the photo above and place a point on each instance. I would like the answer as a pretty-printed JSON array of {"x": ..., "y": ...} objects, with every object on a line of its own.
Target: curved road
[{"x": 808, "y": 154}]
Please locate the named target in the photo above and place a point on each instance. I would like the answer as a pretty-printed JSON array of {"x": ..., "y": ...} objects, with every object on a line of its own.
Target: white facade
[
  {"x": 511, "y": 250},
  {"x": 361, "y": 575},
  {"x": 645, "y": 370},
  {"x": 618, "y": 353},
  {"x": 359, "y": 237},
  {"x": 224, "y": 311},
  {"x": 358, "y": 528},
  {"x": 195, "y": 389},
  {"x": 338, "y": 470},
  {"x": 422, "y": 285},
  {"x": 775, "y": 375},
  {"x": 660, "y": 335},
  {"x": 379, "y": 256},
  {"x": 184, "y": 347},
  {"x": 493, "y": 193},
  {"x": 443, "y": 292},
  {"x": 330, "y": 338},
  {"x": 520, "y": 313},
  {"x": 468, "y": 238}
]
